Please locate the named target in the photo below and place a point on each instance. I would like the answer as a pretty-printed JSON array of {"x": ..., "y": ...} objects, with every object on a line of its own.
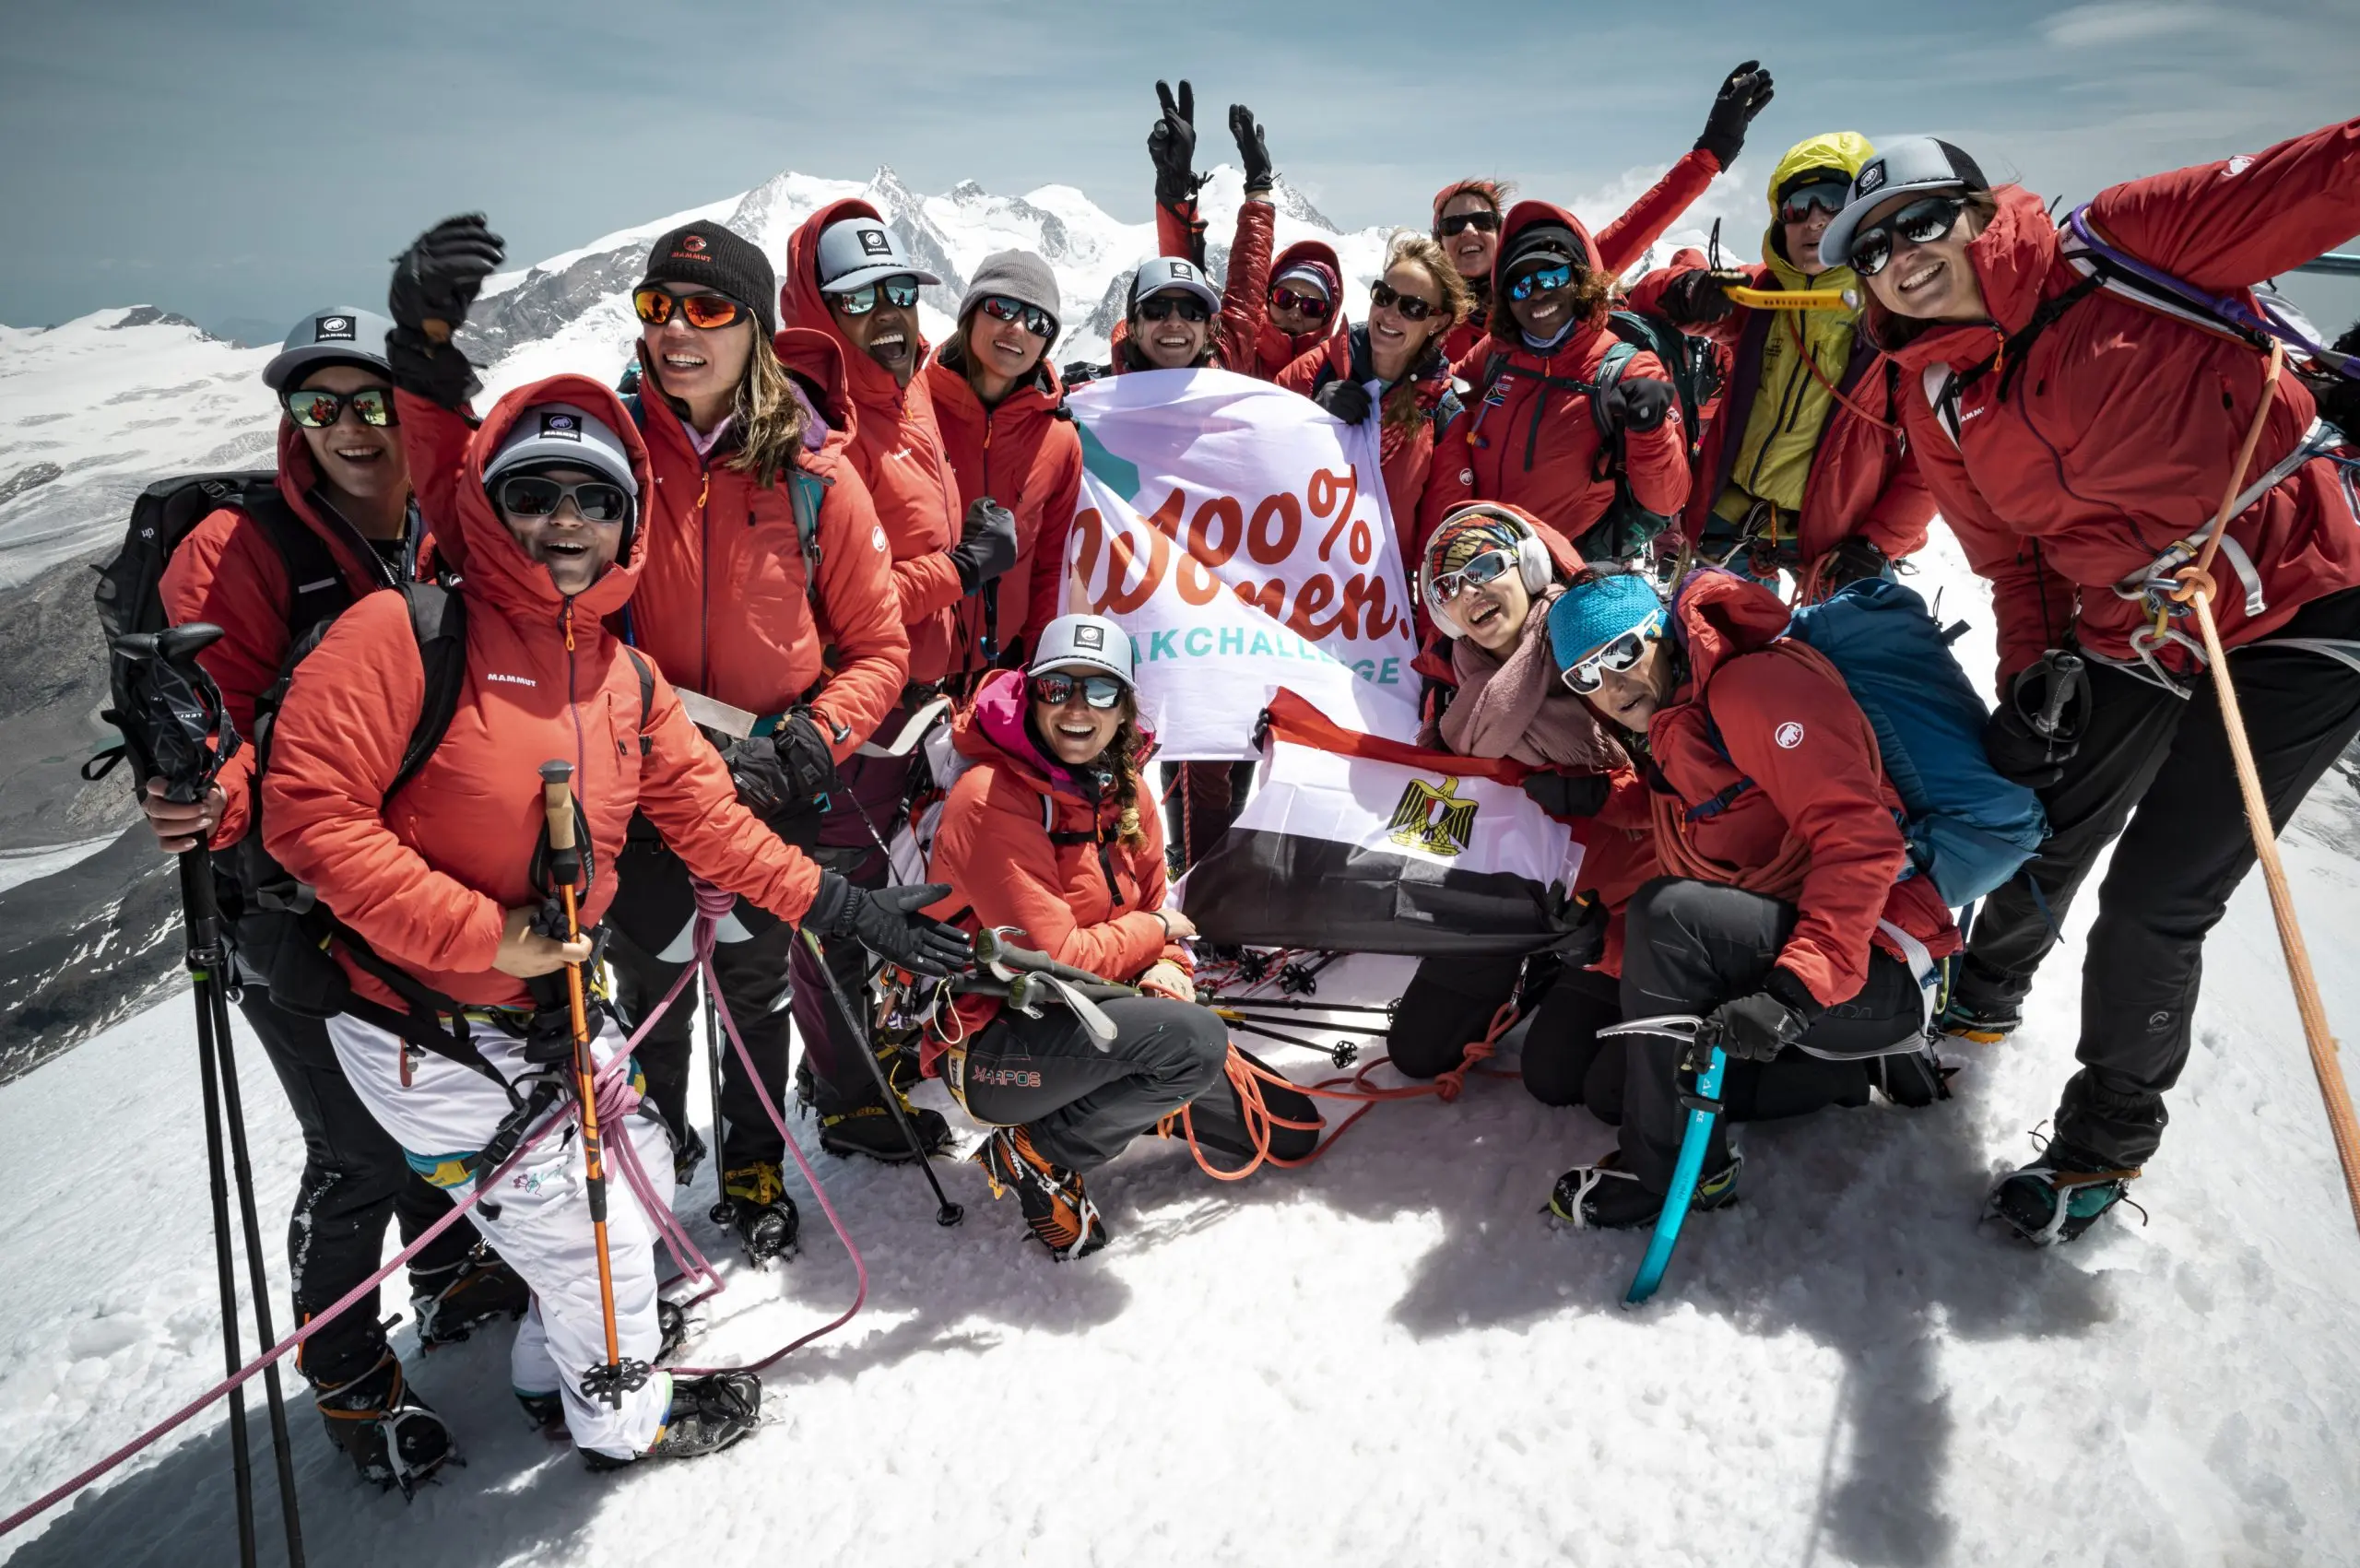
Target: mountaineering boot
[
  {"x": 1606, "y": 1197},
  {"x": 687, "y": 1153},
  {"x": 451, "y": 1301},
  {"x": 1984, "y": 1022},
  {"x": 2059, "y": 1196},
  {"x": 1913, "y": 1079},
  {"x": 754, "y": 1203},
  {"x": 393, "y": 1436},
  {"x": 707, "y": 1414},
  {"x": 871, "y": 1130},
  {"x": 1055, "y": 1207},
  {"x": 546, "y": 1412}
]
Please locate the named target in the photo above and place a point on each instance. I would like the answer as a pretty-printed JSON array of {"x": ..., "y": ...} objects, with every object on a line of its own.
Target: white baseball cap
[{"x": 1083, "y": 641}]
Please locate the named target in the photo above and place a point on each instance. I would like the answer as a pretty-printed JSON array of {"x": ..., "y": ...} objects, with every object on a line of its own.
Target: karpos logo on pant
[{"x": 1434, "y": 818}]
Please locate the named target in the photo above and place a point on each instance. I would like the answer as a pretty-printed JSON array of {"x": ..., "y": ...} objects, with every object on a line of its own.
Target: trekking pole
[
  {"x": 946, "y": 1213},
  {"x": 610, "y": 1381}
]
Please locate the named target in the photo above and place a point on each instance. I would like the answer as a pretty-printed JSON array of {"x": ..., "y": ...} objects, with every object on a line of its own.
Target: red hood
[
  {"x": 1489, "y": 190},
  {"x": 298, "y": 476},
  {"x": 819, "y": 358},
  {"x": 496, "y": 569},
  {"x": 2013, "y": 258},
  {"x": 1521, "y": 217},
  {"x": 992, "y": 730},
  {"x": 800, "y": 304},
  {"x": 1719, "y": 614},
  {"x": 1311, "y": 251}
]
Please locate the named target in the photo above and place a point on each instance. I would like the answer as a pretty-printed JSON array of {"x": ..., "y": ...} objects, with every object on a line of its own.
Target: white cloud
[{"x": 2125, "y": 21}]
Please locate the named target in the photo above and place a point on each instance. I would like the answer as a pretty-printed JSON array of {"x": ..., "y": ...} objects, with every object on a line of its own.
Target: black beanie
[
  {"x": 1553, "y": 240},
  {"x": 713, "y": 256}
]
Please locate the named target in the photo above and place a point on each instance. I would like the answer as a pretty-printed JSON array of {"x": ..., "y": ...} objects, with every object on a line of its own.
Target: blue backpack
[{"x": 1968, "y": 828}]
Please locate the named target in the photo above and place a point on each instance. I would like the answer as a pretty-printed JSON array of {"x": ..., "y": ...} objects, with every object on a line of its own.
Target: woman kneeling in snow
[{"x": 1052, "y": 831}]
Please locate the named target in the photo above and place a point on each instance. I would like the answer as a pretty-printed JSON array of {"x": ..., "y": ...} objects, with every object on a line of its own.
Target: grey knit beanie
[{"x": 1018, "y": 275}]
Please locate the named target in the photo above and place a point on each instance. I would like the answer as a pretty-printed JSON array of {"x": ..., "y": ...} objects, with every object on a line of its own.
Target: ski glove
[
  {"x": 1569, "y": 794},
  {"x": 1756, "y": 1028},
  {"x": 1637, "y": 403},
  {"x": 791, "y": 767},
  {"x": 1745, "y": 94},
  {"x": 1700, "y": 297},
  {"x": 2020, "y": 753},
  {"x": 1347, "y": 400},
  {"x": 438, "y": 277},
  {"x": 1172, "y": 146},
  {"x": 1585, "y": 920},
  {"x": 886, "y": 923},
  {"x": 986, "y": 545},
  {"x": 1853, "y": 560},
  {"x": 1250, "y": 150}
]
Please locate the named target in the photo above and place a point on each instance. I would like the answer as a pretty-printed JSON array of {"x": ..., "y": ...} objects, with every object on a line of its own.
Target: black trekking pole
[{"x": 946, "y": 1212}]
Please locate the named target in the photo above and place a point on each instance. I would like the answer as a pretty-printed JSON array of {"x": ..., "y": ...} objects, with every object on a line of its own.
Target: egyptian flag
[{"x": 1354, "y": 843}]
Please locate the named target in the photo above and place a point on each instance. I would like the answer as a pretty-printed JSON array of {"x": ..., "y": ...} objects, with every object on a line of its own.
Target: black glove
[
  {"x": 1700, "y": 297},
  {"x": 1569, "y": 794},
  {"x": 1637, "y": 403},
  {"x": 986, "y": 545},
  {"x": 1852, "y": 559},
  {"x": 1586, "y": 942},
  {"x": 1757, "y": 1028},
  {"x": 435, "y": 281},
  {"x": 790, "y": 767},
  {"x": 886, "y": 923},
  {"x": 1745, "y": 94},
  {"x": 1347, "y": 400},
  {"x": 2018, "y": 750},
  {"x": 1172, "y": 146},
  {"x": 1250, "y": 150}
]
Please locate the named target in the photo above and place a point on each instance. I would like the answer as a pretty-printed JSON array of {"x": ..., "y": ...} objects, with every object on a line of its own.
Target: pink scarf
[{"x": 1519, "y": 708}]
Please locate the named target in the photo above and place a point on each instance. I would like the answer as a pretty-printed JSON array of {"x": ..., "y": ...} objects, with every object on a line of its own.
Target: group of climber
[{"x": 734, "y": 600}]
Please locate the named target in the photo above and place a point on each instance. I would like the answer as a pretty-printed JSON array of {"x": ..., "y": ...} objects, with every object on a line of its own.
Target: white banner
[{"x": 1239, "y": 533}]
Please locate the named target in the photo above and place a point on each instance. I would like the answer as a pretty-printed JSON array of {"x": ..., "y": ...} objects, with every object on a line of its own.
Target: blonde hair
[
  {"x": 771, "y": 420},
  {"x": 1424, "y": 252}
]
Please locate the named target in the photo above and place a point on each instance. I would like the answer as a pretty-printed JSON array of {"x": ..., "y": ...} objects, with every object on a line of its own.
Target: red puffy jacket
[
  {"x": 2120, "y": 424},
  {"x": 1417, "y": 496},
  {"x": 1618, "y": 245},
  {"x": 1244, "y": 295},
  {"x": 428, "y": 878},
  {"x": 227, "y": 571},
  {"x": 1862, "y": 479},
  {"x": 1275, "y": 350},
  {"x": 1765, "y": 726},
  {"x": 896, "y": 449},
  {"x": 1024, "y": 454},
  {"x": 1529, "y": 438},
  {"x": 1090, "y": 902}
]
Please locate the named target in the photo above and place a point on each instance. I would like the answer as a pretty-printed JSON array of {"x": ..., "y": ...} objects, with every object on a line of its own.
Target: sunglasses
[
  {"x": 1540, "y": 282},
  {"x": 1033, "y": 318},
  {"x": 706, "y": 313},
  {"x": 1157, "y": 307},
  {"x": 1288, "y": 300},
  {"x": 1101, "y": 691},
  {"x": 901, "y": 291},
  {"x": 316, "y": 410},
  {"x": 1921, "y": 223},
  {"x": 1412, "y": 307},
  {"x": 1584, "y": 676},
  {"x": 1481, "y": 223},
  {"x": 1474, "y": 574},
  {"x": 529, "y": 495},
  {"x": 1804, "y": 200}
]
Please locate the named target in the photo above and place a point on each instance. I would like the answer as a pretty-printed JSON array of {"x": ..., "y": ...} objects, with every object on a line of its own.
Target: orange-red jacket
[
  {"x": 1762, "y": 762},
  {"x": 1618, "y": 245},
  {"x": 1418, "y": 495},
  {"x": 227, "y": 571},
  {"x": 2120, "y": 424},
  {"x": 1089, "y": 902},
  {"x": 1535, "y": 445},
  {"x": 896, "y": 449},
  {"x": 1026, "y": 455},
  {"x": 1244, "y": 295},
  {"x": 428, "y": 878},
  {"x": 1862, "y": 479}
]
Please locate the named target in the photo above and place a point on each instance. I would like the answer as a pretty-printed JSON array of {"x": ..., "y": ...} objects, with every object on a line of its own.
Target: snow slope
[{"x": 1389, "y": 1358}]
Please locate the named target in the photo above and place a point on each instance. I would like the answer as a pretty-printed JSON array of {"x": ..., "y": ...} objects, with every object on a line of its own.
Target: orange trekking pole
[
  {"x": 2195, "y": 590},
  {"x": 610, "y": 1381}
]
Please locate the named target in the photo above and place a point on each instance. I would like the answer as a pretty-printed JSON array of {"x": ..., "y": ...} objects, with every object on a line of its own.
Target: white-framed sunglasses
[
  {"x": 1485, "y": 568},
  {"x": 1584, "y": 676}
]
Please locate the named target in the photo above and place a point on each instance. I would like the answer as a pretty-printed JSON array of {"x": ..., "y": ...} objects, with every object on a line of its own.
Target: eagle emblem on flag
[{"x": 1433, "y": 818}]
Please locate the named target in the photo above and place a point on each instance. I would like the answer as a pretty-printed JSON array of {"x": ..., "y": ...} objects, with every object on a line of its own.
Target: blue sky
[{"x": 243, "y": 160}]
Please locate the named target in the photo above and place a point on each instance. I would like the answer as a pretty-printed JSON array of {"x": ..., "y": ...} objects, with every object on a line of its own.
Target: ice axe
[{"x": 1792, "y": 299}]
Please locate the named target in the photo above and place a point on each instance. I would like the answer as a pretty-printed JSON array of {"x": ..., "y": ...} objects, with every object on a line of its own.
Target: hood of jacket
[
  {"x": 1717, "y": 615},
  {"x": 299, "y": 474},
  {"x": 800, "y": 304},
  {"x": 1283, "y": 347},
  {"x": 1521, "y": 217},
  {"x": 496, "y": 568},
  {"x": 955, "y": 398},
  {"x": 1847, "y": 150},
  {"x": 2011, "y": 261},
  {"x": 992, "y": 730}
]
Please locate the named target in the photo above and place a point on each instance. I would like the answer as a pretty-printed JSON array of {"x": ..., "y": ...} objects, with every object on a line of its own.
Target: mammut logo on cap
[
  {"x": 1184, "y": 273},
  {"x": 1871, "y": 178},
  {"x": 1788, "y": 736},
  {"x": 875, "y": 242},
  {"x": 1090, "y": 637},
  {"x": 333, "y": 329},
  {"x": 567, "y": 427},
  {"x": 693, "y": 243}
]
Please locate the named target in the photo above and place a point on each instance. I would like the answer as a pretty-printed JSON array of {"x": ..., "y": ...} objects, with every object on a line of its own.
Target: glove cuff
[
  {"x": 1793, "y": 994},
  {"x": 830, "y": 905},
  {"x": 1723, "y": 146}
]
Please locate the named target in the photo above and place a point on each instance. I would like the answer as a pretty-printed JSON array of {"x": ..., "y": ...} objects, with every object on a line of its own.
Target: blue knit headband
[{"x": 1587, "y": 615}]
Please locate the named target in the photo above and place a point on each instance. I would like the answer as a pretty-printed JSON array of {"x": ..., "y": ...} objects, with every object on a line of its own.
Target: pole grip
[{"x": 557, "y": 801}]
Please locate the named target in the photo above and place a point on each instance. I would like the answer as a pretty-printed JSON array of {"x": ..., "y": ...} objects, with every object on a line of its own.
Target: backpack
[
  {"x": 1967, "y": 828},
  {"x": 1627, "y": 528}
]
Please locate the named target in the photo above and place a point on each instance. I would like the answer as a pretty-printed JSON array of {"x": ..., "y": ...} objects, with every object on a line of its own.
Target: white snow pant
[{"x": 543, "y": 1227}]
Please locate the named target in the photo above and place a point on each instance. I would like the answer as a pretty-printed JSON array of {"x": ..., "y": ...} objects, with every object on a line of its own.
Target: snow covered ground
[{"x": 1389, "y": 1358}]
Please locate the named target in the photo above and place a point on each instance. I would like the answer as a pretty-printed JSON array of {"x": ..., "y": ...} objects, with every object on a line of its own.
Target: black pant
[
  {"x": 1689, "y": 946},
  {"x": 2161, "y": 765},
  {"x": 1208, "y": 800},
  {"x": 753, "y": 975},
  {"x": 1450, "y": 1003},
  {"x": 355, "y": 1179},
  {"x": 1084, "y": 1101}
]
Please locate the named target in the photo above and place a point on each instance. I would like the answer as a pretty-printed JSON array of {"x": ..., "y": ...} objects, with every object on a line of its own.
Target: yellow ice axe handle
[{"x": 1793, "y": 299}]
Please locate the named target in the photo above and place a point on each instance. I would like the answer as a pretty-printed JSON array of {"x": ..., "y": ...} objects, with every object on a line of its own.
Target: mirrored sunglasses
[
  {"x": 706, "y": 313},
  {"x": 1540, "y": 282},
  {"x": 316, "y": 410},
  {"x": 1584, "y": 676},
  {"x": 1033, "y": 318},
  {"x": 1294, "y": 299},
  {"x": 901, "y": 291},
  {"x": 1099, "y": 692},
  {"x": 1804, "y": 200},
  {"x": 1448, "y": 585},
  {"x": 1921, "y": 223}
]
